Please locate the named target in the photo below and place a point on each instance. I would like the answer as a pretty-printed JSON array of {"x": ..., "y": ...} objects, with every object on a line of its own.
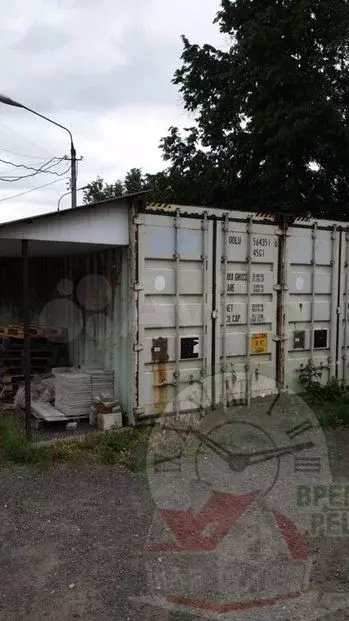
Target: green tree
[
  {"x": 158, "y": 187},
  {"x": 271, "y": 112},
  {"x": 134, "y": 181},
  {"x": 161, "y": 187},
  {"x": 99, "y": 190}
]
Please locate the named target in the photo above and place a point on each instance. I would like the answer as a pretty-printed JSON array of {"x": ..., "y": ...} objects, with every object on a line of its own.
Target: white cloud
[{"x": 102, "y": 69}]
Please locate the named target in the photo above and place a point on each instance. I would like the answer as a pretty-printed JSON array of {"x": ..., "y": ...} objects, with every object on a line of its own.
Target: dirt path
[{"x": 71, "y": 538}]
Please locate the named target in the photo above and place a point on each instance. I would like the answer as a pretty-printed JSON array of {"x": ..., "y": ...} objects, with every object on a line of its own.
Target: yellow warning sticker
[{"x": 259, "y": 343}]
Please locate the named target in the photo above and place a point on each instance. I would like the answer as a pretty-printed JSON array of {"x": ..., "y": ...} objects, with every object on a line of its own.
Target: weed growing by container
[{"x": 330, "y": 402}]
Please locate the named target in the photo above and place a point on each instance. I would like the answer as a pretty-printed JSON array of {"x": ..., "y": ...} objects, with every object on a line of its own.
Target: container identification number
[
  {"x": 259, "y": 245},
  {"x": 261, "y": 241},
  {"x": 236, "y": 240}
]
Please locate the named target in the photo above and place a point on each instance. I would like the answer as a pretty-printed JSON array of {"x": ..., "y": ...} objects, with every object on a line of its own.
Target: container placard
[{"x": 259, "y": 343}]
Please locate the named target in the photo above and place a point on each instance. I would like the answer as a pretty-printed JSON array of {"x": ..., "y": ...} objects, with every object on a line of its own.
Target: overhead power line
[
  {"x": 44, "y": 168},
  {"x": 8, "y": 198},
  {"x": 31, "y": 167}
]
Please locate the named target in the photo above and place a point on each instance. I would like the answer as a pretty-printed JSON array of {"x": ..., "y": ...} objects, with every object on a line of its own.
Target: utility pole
[
  {"x": 11, "y": 102},
  {"x": 73, "y": 174}
]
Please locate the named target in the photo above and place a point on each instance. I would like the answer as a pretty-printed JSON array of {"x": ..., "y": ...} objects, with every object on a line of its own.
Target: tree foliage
[
  {"x": 158, "y": 187},
  {"x": 271, "y": 112},
  {"x": 99, "y": 190}
]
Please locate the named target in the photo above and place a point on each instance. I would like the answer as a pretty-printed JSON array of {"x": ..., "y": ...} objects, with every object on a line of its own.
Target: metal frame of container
[{"x": 235, "y": 306}]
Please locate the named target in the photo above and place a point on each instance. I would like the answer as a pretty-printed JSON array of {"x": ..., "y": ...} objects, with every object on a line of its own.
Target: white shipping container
[
  {"x": 232, "y": 306},
  {"x": 190, "y": 308}
]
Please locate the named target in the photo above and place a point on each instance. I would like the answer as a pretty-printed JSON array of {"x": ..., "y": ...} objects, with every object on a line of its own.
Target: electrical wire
[
  {"x": 8, "y": 198},
  {"x": 31, "y": 167},
  {"x": 45, "y": 168}
]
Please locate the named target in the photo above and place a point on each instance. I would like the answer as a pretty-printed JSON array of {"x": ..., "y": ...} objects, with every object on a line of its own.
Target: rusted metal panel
[
  {"x": 174, "y": 276},
  {"x": 244, "y": 294},
  {"x": 161, "y": 375},
  {"x": 159, "y": 350}
]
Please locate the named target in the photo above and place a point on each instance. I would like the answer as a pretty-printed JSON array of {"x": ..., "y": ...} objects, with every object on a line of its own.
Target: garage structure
[
  {"x": 190, "y": 307},
  {"x": 69, "y": 270}
]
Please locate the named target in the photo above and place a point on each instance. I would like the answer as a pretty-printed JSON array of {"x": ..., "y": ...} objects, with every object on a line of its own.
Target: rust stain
[
  {"x": 159, "y": 206},
  {"x": 161, "y": 375}
]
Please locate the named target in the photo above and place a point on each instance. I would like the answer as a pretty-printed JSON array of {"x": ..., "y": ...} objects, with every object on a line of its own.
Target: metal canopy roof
[{"x": 72, "y": 231}]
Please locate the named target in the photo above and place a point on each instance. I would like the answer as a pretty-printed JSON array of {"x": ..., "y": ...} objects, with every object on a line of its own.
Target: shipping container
[
  {"x": 205, "y": 308},
  {"x": 232, "y": 306}
]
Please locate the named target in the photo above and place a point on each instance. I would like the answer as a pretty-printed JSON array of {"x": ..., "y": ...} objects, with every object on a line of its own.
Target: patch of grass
[
  {"x": 329, "y": 402},
  {"x": 331, "y": 414},
  {"x": 125, "y": 448},
  {"x": 15, "y": 448}
]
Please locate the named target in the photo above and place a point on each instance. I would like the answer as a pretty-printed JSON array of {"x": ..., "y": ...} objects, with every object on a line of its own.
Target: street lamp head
[{"x": 10, "y": 102}]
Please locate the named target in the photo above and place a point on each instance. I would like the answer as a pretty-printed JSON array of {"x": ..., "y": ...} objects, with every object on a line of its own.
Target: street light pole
[
  {"x": 11, "y": 102},
  {"x": 84, "y": 187}
]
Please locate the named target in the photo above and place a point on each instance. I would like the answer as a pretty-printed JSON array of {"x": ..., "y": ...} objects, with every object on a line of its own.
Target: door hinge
[
  {"x": 138, "y": 347},
  {"x": 138, "y": 286}
]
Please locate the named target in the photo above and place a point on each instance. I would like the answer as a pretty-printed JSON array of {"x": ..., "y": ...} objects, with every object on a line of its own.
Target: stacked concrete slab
[
  {"x": 102, "y": 382},
  {"x": 73, "y": 394}
]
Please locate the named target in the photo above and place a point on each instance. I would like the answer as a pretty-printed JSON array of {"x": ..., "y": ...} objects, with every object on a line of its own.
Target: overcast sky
[{"x": 103, "y": 69}]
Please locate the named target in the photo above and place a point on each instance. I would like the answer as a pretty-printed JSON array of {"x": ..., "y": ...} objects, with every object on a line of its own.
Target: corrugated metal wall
[
  {"x": 313, "y": 272},
  {"x": 231, "y": 308},
  {"x": 44, "y": 275},
  {"x": 200, "y": 346},
  {"x": 246, "y": 272},
  {"x": 97, "y": 296},
  {"x": 175, "y": 312},
  {"x": 86, "y": 295}
]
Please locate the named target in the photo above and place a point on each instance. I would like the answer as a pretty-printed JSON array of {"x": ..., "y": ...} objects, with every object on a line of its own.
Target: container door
[
  {"x": 311, "y": 304},
  {"x": 246, "y": 327},
  {"x": 175, "y": 263},
  {"x": 343, "y": 310}
]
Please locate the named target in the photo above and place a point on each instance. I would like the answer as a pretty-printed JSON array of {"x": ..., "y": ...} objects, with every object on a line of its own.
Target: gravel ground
[{"x": 71, "y": 541}]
